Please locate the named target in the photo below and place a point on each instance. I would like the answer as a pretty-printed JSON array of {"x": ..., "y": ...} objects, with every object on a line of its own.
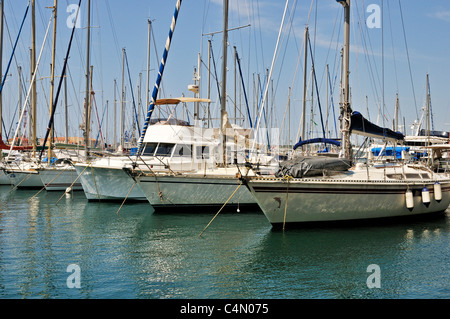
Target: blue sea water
[{"x": 135, "y": 253}]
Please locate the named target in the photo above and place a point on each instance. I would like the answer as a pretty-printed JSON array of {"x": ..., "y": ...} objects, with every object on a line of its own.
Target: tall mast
[
  {"x": 90, "y": 97},
  {"x": 1, "y": 69},
  {"x": 19, "y": 73},
  {"x": 30, "y": 114},
  {"x": 224, "y": 79},
  {"x": 345, "y": 105},
  {"x": 88, "y": 89},
  {"x": 209, "y": 79},
  {"x": 122, "y": 124},
  {"x": 199, "y": 66},
  {"x": 52, "y": 80},
  {"x": 428, "y": 117},
  {"x": 115, "y": 118},
  {"x": 396, "y": 113},
  {"x": 235, "y": 93},
  {"x": 147, "y": 94},
  {"x": 66, "y": 113},
  {"x": 304, "y": 85},
  {"x": 33, "y": 68}
]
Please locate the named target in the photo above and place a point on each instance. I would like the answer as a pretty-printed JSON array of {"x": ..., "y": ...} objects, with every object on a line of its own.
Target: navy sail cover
[
  {"x": 359, "y": 125},
  {"x": 317, "y": 140}
]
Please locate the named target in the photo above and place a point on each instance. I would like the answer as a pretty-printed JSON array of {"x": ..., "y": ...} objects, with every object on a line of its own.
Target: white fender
[
  {"x": 425, "y": 196},
  {"x": 437, "y": 191},
  {"x": 409, "y": 199}
]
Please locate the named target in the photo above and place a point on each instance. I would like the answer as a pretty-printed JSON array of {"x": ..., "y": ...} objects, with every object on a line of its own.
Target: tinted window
[
  {"x": 183, "y": 150},
  {"x": 164, "y": 149},
  {"x": 149, "y": 149},
  {"x": 202, "y": 152}
]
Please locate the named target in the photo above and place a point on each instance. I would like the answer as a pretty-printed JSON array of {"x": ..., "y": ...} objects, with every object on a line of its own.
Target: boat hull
[
  {"x": 303, "y": 201},
  {"x": 60, "y": 179},
  {"x": 25, "y": 179},
  {"x": 5, "y": 179},
  {"x": 108, "y": 184},
  {"x": 187, "y": 192}
]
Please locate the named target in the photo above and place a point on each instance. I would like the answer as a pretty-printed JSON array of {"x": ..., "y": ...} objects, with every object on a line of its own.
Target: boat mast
[
  {"x": 224, "y": 80},
  {"x": 345, "y": 105},
  {"x": 88, "y": 89},
  {"x": 115, "y": 117},
  {"x": 122, "y": 119},
  {"x": 396, "y": 113},
  {"x": 1, "y": 70},
  {"x": 19, "y": 73},
  {"x": 147, "y": 94},
  {"x": 304, "y": 84},
  {"x": 66, "y": 140},
  {"x": 209, "y": 80},
  {"x": 33, "y": 67},
  {"x": 52, "y": 80},
  {"x": 427, "y": 119}
]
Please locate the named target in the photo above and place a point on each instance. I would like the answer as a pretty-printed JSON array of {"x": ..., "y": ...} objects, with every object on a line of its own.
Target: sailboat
[
  {"x": 24, "y": 173},
  {"x": 324, "y": 190},
  {"x": 34, "y": 173},
  {"x": 58, "y": 173}
]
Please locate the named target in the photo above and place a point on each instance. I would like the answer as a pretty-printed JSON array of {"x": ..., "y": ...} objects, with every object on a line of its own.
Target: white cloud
[{"x": 442, "y": 15}]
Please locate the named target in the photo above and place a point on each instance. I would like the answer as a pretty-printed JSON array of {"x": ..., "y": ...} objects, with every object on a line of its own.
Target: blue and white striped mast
[{"x": 158, "y": 79}]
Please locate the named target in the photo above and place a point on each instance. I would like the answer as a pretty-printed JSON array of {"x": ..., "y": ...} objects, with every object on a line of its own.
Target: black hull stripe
[{"x": 335, "y": 190}]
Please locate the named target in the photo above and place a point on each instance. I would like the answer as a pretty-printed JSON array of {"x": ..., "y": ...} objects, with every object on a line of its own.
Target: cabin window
[
  {"x": 182, "y": 150},
  {"x": 164, "y": 149},
  {"x": 149, "y": 149},
  {"x": 202, "y": 152}
]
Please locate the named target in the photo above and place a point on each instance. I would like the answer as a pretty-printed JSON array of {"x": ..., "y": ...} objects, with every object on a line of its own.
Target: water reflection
[
  {"x": 138, "y": 254},
  {"x": 332, "y": 263}
]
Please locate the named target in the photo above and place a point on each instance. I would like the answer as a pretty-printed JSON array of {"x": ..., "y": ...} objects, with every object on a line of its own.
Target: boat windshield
[
  {"x": 164, "y": 149},
  {"x": 149, "y": 149}
]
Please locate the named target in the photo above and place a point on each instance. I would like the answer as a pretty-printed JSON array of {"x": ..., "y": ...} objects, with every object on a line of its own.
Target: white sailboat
[
  {"x": 60, "y": 176},
  {"x": 24, "y": 175},
  {"x": 357, "y": 193}
]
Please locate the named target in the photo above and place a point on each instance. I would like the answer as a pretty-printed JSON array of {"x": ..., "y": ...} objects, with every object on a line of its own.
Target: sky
[{"x": 392, "y": 52}]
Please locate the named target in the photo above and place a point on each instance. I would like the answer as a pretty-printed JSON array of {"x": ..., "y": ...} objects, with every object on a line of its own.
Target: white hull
[
  {"x": 5, "y": 179},
  {"x": 106, "y": 183},
  {"x": 59, "y": 179},
  {"x": 346, "y": 199},
  {"x": 23, "y": 179},
  {"x": 194, "y": 191}
]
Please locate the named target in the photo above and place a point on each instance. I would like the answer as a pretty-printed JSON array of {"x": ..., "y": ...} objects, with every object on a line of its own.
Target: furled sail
[
  {"x": 359, "y": 125},
  {"x": 317, "y": 140}
]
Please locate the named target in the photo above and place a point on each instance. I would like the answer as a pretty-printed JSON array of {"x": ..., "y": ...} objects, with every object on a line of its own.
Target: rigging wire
[{"x": 407, "y": 55}]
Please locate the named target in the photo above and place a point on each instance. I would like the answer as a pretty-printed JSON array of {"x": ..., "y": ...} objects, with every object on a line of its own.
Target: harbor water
[{"x": 79, "y": 249}]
